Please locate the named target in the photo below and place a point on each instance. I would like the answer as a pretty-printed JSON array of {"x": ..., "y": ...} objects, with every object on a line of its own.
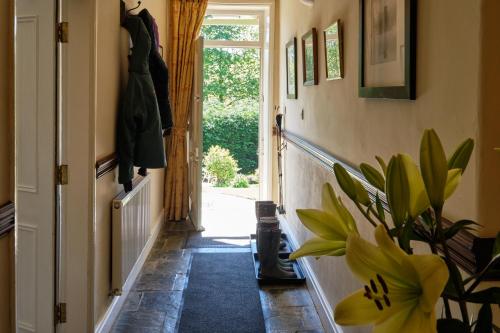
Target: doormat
[
  {"x": 222, "y": 295},
  {"x": 196, "y": 241}
]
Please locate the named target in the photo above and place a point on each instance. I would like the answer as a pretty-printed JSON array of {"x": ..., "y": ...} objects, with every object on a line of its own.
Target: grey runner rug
[{"x": 222, "y": 295}]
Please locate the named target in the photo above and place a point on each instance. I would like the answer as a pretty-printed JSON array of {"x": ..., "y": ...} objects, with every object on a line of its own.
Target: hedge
[{"x": 235, "y": 128}]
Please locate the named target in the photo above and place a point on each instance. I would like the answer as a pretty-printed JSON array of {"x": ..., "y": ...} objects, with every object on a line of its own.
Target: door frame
[
  {"x": 77, "y": 105},
  {"x": 265, "y": 9}
]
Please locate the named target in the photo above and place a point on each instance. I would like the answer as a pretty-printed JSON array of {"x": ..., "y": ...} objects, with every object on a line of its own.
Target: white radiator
[{"x": 130, "y": 230}]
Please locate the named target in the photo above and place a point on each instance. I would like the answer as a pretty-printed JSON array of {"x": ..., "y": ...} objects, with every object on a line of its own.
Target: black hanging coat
[
  {"x": 139, "y": 135},
  {"x": 159, "y": 72}
]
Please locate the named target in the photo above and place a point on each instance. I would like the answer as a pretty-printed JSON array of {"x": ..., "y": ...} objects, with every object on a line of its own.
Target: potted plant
[{"x": 401, "y": 288}]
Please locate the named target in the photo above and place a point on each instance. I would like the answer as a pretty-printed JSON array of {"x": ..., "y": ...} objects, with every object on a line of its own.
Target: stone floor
[{"x": 155, "y": 302}]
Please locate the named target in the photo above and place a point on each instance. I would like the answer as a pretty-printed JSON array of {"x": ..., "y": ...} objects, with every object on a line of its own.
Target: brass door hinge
[
  {"x": 62, "y": 32},
  {"x": 60, "y": 313},
  {"x": 62, "y": 175}
]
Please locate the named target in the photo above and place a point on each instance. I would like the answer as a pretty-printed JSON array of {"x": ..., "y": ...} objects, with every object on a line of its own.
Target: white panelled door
[
  {"x": 196, "y": 140},
  {"x": 35, "y": 118}
]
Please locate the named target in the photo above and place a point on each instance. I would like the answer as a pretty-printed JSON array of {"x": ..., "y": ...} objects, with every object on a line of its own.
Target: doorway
[{"x": 232, "y": 94}]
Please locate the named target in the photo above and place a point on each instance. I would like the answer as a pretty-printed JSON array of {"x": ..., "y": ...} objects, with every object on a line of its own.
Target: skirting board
[
  {"x": 321, "y": 303},
  {"x": 106, "y": 324}
]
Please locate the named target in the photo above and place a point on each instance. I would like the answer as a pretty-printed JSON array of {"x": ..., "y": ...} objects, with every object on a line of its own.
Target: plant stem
[
  {"x": 458, "y": 284},
  {"x": 366, "y": 215},
  {"x": 446, "y": 302},
  {"x": 380, "y": 219}
]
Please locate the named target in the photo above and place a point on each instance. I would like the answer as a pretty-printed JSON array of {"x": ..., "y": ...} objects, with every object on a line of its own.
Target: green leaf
[
  {"x": 418, "y": 199},
  {"x": 361, "y": 193},
  {"x": 489, "y": 269},
  {"x": 452, "y": 181},
  {"x": 397, "y": 190},
  {"x": 496, "y": 246},
  {"x": 455, "y": 276},
  {"x": 456, "y": 227},
  {"x": 380, "y": 208},
  {"x": 434, "y": 167},
  {"x": 406, "y": 236},
  {"x": 484, "y": 320},
  {"x": 373, "y": 176},
  {"x": 382, "y": 164},
  {"x": 345, "y": 181},
  {"x": 451, "y": 325},
  {"x": 461, "y": 156},
  {"x": 490, "y": 295}
]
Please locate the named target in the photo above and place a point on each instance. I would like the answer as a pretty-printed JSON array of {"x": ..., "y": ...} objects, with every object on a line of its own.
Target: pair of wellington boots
[
  {"x": 268, "y": 245},
  {"x": 267, "y": 210}
]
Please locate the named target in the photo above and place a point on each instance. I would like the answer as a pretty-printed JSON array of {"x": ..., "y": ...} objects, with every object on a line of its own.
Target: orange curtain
[{"x": 185, "y": 20}]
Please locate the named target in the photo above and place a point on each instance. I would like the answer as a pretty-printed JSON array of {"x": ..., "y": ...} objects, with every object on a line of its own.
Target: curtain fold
[{"x": 185, "y": 19}]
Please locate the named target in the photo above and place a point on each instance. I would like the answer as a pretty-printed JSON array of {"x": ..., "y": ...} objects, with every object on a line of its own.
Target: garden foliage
[
  {"x": 220, "y": 167},
  {"x": 235, "y": 128}
]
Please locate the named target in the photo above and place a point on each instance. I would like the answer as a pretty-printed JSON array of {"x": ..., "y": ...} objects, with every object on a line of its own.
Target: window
[{"x": 225, "y": 27}]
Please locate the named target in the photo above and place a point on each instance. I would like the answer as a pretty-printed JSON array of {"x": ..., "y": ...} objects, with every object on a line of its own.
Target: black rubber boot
[
  {"x": 269, "y": 241},
  {"x": 265, "y": 209}
]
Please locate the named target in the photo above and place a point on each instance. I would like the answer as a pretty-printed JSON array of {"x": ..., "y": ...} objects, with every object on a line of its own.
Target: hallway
[{"x": 155, "y": 303}]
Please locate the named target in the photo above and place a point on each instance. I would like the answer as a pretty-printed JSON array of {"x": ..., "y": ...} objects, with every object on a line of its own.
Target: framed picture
[
  {"x": 387, "y": 61},
  {"x": 310, "y": 57},
  {"x": 334, "y": 58},
  {"x": 291, "y": 69}
]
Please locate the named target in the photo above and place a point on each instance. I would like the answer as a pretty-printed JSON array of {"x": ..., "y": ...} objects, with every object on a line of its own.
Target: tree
[
  {"x": 231, "y": 95},
  {"x": 231, "y": 74}
]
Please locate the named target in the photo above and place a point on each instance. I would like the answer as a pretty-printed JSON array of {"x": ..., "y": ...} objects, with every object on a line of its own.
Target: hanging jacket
[
  {"x": 158, "y": 70},
  {"x": 139, "y": 135}
]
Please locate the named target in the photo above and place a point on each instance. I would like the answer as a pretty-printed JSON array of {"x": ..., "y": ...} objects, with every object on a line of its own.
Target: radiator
[{"x": 130, "y": 229}]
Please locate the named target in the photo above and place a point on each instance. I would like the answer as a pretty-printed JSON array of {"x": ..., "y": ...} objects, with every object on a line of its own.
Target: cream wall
[
  {"x": 451, "y": 84},
  {"x": 6, "y": 145},
  {"x": 112, "y": 47}
]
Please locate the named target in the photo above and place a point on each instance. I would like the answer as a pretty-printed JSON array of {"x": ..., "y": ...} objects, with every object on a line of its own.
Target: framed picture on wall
[
  {"x": 291, "y": 69},
  {"x": 310, "y": 57},
  {"x": 387, "y": 57},
  {"x": 334, "y": 58}
]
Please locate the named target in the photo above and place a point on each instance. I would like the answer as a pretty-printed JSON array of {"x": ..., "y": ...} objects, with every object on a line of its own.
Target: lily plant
[{"x": 401, "y": 289}]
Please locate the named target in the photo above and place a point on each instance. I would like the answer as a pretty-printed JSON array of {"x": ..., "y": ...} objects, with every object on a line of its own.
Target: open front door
[{"x": 196, "y": 140}]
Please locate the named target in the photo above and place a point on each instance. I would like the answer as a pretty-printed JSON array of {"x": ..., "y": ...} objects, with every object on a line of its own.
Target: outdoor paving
[{"x": 155, "y": 302}]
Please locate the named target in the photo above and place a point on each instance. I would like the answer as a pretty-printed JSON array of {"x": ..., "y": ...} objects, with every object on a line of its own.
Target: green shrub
[
  {"x": 220, "y": 166},
  {"x": 234, "y": 127},
  {"x": 240, "y": 181},
  {"x": 254, "y": 177}
]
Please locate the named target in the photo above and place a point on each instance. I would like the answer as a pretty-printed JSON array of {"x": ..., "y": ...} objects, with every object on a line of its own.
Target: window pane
[{"x": 231, "y": 27}]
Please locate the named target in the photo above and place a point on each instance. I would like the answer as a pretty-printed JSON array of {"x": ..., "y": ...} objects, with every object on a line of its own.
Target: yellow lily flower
[
  {"x": 332, "y": 225},
  {"x": 400, "y": 291}
]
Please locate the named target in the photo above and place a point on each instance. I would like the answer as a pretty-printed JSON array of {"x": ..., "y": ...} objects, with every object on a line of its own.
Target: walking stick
[{"x": 280, "y": 146}]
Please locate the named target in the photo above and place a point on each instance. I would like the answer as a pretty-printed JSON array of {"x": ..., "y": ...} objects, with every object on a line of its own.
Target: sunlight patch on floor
[{"x": 226, "y": 215}]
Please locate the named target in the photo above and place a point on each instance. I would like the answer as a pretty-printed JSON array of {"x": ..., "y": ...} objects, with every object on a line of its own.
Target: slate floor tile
[
  {"x": 276, "y": 298},
  {"x": 132, "y": 302},
  {"x": 168, "y": 302},
  {"x": 140, "y": 319},
  {"x": 155, "y": 303},
  {"x": 154, "y": 282}
]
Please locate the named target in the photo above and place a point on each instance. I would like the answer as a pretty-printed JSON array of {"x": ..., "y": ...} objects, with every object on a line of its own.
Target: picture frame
[
  {"x": 291, "y": 68},
  {"x": 387, "y": 49},
  {"x": 334, "y": 57},
  {"x": 310, "y": 58}
]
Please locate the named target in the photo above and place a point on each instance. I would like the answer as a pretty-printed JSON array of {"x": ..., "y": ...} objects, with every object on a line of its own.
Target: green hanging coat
[{"x": 139, "y": 134}]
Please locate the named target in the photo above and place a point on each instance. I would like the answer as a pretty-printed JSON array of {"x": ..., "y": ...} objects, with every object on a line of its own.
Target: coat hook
[{"x": 138, "y": 5}]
